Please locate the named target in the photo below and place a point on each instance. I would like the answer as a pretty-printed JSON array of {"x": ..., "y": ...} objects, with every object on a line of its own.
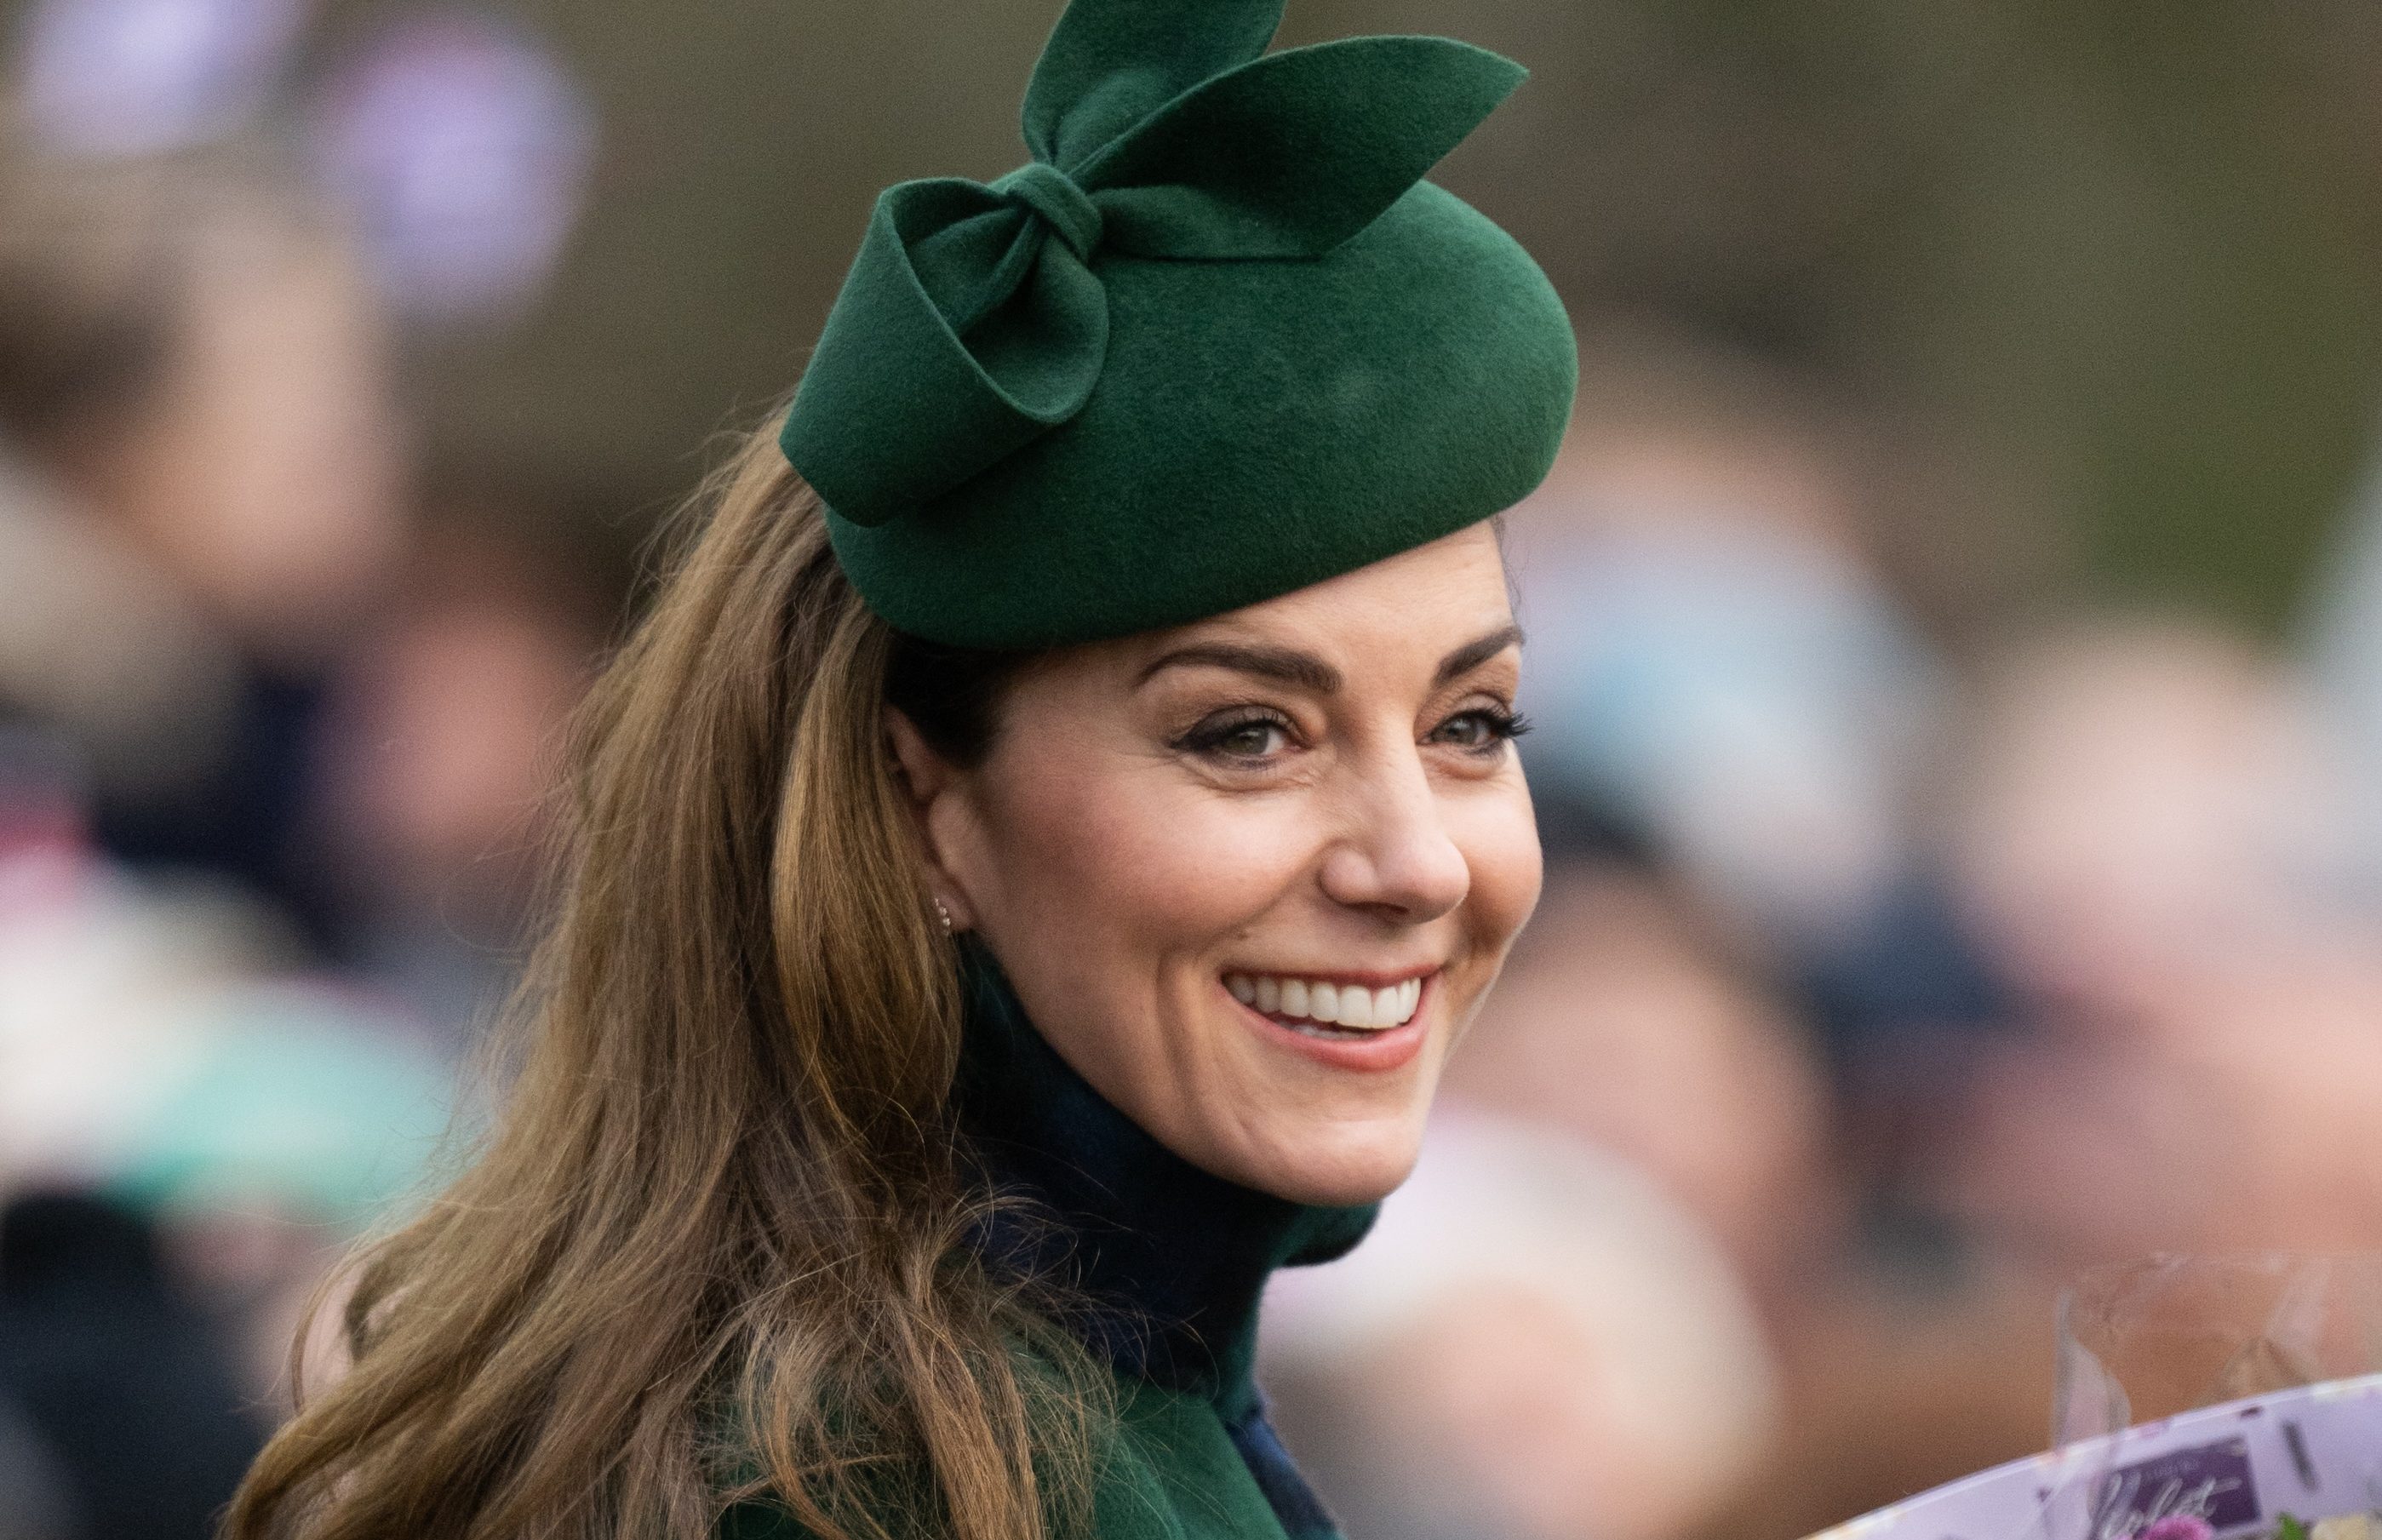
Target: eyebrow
[
  {"x": 1310, "y": 672},
  {"x": 1471, "y": 655},
  {"x": 1288, "y": 664}
]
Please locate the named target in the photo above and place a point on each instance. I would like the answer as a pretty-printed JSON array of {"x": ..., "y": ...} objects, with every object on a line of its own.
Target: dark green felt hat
[{"x": 1217, "y": 340}]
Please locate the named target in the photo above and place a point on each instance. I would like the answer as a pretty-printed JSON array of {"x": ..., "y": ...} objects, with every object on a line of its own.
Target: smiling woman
[
  {"x": 1310, "y": 799},
  {"x": 1029, "y": 868}
]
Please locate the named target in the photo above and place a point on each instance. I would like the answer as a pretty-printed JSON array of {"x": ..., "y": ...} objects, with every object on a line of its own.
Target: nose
[{"x": 1397, "y": 859}]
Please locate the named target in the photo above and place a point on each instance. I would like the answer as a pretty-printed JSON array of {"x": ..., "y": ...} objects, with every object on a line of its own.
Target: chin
[{"x": 1346, "y": 1172}]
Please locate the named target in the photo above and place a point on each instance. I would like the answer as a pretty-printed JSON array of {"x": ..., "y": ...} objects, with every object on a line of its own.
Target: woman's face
[{"x": 1252, "y": 876}]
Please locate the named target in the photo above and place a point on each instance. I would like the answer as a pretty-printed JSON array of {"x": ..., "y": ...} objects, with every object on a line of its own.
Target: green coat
[{"x": 1173, "y": 1475}]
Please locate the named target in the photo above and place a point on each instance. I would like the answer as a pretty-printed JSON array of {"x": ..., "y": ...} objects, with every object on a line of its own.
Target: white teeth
[{"x": 1350, "y": 1006}]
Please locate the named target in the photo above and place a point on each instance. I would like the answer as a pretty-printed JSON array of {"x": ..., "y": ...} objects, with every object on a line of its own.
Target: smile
[{"x": 1323, "y": 1002}]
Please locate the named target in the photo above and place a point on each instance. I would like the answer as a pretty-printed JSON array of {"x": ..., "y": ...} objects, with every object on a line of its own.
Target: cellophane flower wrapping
[{"x": 2199, "y": 1398}]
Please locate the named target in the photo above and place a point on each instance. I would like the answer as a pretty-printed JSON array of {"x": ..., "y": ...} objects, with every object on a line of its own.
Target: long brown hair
[{"x": 716, "y": 1246}]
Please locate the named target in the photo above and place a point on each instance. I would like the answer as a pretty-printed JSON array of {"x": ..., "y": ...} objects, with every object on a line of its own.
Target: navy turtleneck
[{"x": 1169, "y": 1260}]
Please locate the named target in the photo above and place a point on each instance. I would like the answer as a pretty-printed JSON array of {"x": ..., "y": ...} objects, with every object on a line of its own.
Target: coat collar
[{"x": 1169, "y": 1259}]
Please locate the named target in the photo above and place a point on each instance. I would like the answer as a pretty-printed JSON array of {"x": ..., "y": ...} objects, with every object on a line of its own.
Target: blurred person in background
[
  {"x": 440, "y": 743},
  {"x": 1538, "y": 1343},
  {"x": 1740, "y": 689},
  {"x": 1748, "y": 710},
  {"x": 2156, "y": 846},
  {"x": 199, "y": 482},
  {"x": 200, "y": 485},
  {"x": 127, "y": 1393},
  {"x": 1623, "y": 1023},
  {"x": 1633, "y": 1024},
  {"x": 1747, "y": 701},
  {"x": 188, "y": 1137}
]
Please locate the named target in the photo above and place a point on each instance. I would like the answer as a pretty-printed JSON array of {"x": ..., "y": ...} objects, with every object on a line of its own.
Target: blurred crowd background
[{"x": 1956, "y": 649}]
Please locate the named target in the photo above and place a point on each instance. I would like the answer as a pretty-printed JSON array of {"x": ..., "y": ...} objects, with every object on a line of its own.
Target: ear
[{"x": 932, "y": 784}]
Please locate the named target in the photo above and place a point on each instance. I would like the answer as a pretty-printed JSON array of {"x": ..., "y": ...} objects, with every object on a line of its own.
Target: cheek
[
  {"x": 1139, "y": 860},
  {"x": 1499, "y": 837}
]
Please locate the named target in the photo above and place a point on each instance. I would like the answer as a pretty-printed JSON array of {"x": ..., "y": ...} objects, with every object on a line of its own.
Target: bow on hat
[{"x": 974, "y": 319}]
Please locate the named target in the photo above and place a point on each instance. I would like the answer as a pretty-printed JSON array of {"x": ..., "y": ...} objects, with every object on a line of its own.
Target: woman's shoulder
[{"x": 1170, "y": 1473}]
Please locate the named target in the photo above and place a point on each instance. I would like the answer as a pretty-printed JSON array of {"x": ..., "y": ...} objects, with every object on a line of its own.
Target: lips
[{"x": 1327, "y": 1003}]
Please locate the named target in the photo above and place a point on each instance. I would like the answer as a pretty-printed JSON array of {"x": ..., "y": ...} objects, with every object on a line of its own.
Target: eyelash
[
  {"x": 1208, "y": 737},
  {"x": 1503, "y": 725}
]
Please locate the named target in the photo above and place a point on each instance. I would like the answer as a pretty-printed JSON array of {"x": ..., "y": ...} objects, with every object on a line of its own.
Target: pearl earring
[{"x": 944, "y": 915}]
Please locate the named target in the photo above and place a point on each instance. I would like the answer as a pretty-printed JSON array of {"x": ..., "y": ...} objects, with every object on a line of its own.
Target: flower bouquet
[{"x": 2290, "y": 1449}]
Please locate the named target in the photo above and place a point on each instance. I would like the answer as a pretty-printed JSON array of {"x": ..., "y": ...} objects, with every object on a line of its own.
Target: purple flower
[{"x": 2179, "y": 1526}]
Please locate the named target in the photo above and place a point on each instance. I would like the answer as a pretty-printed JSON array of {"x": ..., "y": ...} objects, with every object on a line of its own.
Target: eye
[
  {"x": 1483, "y": 730},
  {"x": 1242, "y": 736}
]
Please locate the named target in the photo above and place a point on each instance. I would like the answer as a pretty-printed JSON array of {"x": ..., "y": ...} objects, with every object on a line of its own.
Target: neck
[{"x": 1169, "y": 1258}]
